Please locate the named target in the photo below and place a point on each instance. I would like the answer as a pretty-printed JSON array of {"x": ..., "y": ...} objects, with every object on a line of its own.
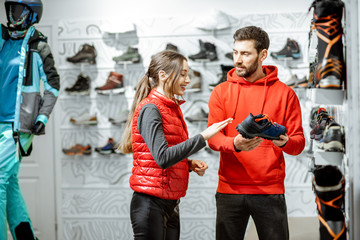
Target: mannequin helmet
[{"x": 35, "y": 6}]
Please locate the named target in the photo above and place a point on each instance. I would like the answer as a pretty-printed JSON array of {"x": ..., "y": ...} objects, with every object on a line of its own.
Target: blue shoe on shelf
[{"x": 108, "y": 148}]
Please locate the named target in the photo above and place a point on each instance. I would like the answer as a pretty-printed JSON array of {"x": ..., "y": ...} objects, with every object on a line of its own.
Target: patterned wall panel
[
  {"x": 99, "y": 229},
  {"x": 107, "y": 171},
  {"x": 86, "y": 203}
]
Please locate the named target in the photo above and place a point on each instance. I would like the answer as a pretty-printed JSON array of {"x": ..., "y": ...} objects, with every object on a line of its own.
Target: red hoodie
[{"x": 262, "y": 170}]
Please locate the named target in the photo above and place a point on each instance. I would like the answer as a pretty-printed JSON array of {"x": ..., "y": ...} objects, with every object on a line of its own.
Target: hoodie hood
[
  {"x": 270, "y": 71},
  {"x": 269, "y": 79}
]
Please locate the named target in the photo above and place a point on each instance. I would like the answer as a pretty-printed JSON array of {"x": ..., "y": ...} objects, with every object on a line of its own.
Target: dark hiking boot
[
  {"x": 114, "y": 84},
  {"x": 290, "y": 50},
  {"x": 315, "y": 112},
  {"x": 81, "y": 86},
  {"x": 334, "y": 138},
  {"x": 229, "y": 55},
  {"x": 224, "y": 70},
  {"x": 260, "y": 126},
  {"x": 329, "y": 188},
  {"x": 87, "y": 54},
  {"x": 323, "y": 119},
  {"x": 330, "y": 72},
  {"x": 171, "y": 47},
  {"x": 207, "y": 52}
]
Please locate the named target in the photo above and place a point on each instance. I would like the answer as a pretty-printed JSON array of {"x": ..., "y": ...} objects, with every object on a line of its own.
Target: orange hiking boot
[
  {"x": 330, "y": 72},
  {"x": 329, "y": 188},
  {"x": 77, "y": 149}
]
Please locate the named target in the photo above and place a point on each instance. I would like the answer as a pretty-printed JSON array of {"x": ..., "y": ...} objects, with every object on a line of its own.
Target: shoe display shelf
[
  {"x": 111, "y": 96},
  {"x": 205, "y": 63},
  {"x": 82, "y": 67},
  {"x": 124, "y": 64},
  {"x": 330, "y": 98},
  {"x": 301, "y": 93},
  {"x": 327, "y": 96},
  {"x": 328, "y": 158}
]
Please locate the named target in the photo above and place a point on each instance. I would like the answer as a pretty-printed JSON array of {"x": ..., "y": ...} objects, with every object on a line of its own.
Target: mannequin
[{"x": 25, "y": 58}]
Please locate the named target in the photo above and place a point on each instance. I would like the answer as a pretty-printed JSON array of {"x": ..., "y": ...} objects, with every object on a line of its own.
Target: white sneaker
[{"x": 85, "y": 118}]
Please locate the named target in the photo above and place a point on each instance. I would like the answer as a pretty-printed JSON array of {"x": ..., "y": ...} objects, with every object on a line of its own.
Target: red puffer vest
[{"x": 147, "y": 177}]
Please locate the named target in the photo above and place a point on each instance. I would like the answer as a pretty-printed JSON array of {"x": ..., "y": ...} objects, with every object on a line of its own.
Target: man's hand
[
  {"x": 244, "y": 144},
  {"x": 198, "y": 166},
  {"x": 38, "y": 128},
  {"x": 282, "y": 141}
]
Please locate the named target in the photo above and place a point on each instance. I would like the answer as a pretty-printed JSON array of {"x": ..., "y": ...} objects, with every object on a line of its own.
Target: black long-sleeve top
[{"x": 151, "y": 130}]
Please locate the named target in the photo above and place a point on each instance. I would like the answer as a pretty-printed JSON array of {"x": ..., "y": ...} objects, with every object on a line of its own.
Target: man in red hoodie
[{"x": 252, "y": 171}]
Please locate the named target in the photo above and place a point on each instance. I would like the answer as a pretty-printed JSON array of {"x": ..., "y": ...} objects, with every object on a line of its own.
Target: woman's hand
[
  {"x": 215, "y": 128},
  {"x": 198, "y": 166}
]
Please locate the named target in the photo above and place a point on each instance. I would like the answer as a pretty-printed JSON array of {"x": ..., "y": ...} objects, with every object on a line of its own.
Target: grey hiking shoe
[{"x": 131, "y": 55}]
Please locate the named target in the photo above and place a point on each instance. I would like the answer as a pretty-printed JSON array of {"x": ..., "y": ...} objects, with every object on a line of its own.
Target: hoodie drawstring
[
  {"x": 265, "y": 93},
  {"x": 237, "y": 99},
  {"x": 238, "y": 96}
]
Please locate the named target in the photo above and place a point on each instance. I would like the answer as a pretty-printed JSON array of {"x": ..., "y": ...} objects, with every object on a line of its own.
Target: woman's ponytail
[{"x": 143, "y": 89}]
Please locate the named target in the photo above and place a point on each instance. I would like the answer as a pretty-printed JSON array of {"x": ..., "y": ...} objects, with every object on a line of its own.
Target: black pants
[
  {"x": 153, "y": 218},
  {"x": 268, "y": 212}
]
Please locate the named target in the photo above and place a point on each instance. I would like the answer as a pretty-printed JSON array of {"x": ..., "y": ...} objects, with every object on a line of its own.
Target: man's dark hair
[{"x": 260, "y": 37}]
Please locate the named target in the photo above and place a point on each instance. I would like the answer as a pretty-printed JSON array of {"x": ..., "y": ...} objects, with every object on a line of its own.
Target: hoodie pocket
[{"x": 261, "y": 166}]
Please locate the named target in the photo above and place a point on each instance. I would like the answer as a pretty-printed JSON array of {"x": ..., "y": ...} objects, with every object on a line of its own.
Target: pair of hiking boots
[{"x": 114, "y": 85}]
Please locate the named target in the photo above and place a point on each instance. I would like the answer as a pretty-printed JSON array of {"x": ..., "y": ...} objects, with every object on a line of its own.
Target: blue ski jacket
[{"x": 34, "y": 103}]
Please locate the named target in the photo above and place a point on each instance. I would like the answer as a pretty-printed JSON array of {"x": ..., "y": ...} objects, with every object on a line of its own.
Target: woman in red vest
[{"x": 157, "y": 135}]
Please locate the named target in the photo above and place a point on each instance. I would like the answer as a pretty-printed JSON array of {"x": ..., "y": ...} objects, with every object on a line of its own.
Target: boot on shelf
[
  {"x": 207, "y": 52},
  {"x": 87, "y": 54},
  {"x": 329, "y": 188},
  {"x": 330, "y": 72}
]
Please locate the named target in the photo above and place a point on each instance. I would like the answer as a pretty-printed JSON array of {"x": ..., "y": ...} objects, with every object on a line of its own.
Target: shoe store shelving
[
  {"x": 126, "y": 65},
  {"x": 327, "y": 96},
  {"x": 328, "y": 158},
  {"x": 333, "y": 100},
  {"x": 301, "y": 93},
  {"x": 94, "y": 156}
]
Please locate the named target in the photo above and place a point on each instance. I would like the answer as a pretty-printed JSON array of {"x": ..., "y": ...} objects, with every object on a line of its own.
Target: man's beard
[{"x": 248, "y": 71}]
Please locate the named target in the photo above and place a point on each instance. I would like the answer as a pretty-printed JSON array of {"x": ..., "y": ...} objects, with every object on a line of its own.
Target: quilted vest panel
[{"x": 147, "y": 177}]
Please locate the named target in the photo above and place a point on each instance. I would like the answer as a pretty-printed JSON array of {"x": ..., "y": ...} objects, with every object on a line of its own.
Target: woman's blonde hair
[{"x": 171, "y": 63}]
